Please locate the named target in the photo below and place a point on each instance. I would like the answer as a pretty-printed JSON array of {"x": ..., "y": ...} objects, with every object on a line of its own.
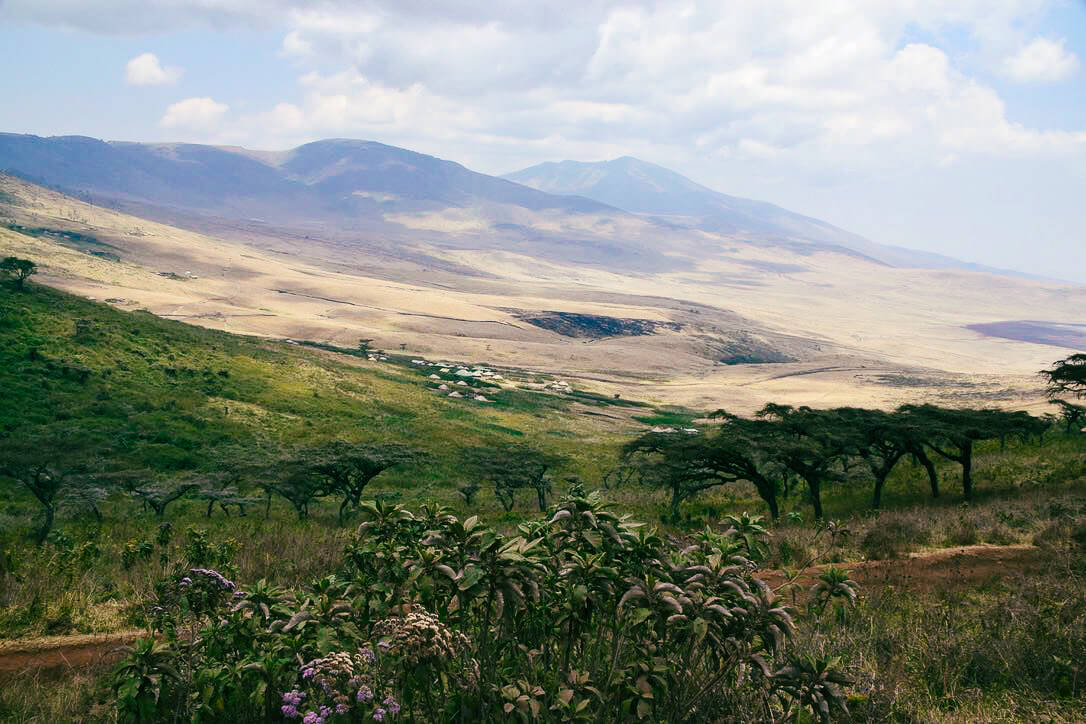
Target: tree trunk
[
  {"x": 46, "y": 523},
  {"x": 967, "y": 470},
  {"x": 541, "y": 497},
  {"x": 676, "y": 498},
  {"x": 933, "y": 474},
  {"x": 880, "y": 481},
  {"x": 814, "y": 486},
  {"x": 768, "y": 492},
  {"x": 210, "y": 505}
]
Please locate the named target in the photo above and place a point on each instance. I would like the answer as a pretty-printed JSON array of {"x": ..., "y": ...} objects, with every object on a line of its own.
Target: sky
[{"x": 954, "y": 126}]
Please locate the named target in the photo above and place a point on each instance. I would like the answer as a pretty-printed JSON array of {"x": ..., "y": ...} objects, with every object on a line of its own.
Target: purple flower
[
  {"x": 186, "y": 581},
  {"x": 368, "y": 656},
  {"x": 289, "y": 711},
  {"x": 219, "y": 579},
  {"x": 393, "y": 706},
  {"x": 364, "y": 694},
  {"x": 309, "y": 673},
  {"x": 312, "y": 718},
  {"x": 342, "y": 708},
  {"x": 379, "y": 714},
  {"x": 326, "y": 712}
]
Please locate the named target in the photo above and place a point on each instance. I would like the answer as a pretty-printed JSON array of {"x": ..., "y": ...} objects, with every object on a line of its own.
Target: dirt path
[
  {"x": 944, "y": 568},
  {"x": 54, "y": 654}
]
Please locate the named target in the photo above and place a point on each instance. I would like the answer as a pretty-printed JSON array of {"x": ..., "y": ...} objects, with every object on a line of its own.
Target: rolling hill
[
  {"x": 685, "y": 296},
  {"x": 645, "y": 188}
]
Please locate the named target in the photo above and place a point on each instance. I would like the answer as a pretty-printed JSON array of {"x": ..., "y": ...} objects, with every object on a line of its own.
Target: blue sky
[{"x": 957, "y": 127}]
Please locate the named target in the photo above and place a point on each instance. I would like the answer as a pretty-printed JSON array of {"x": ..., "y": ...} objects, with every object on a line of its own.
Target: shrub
[
  {"x": 893, "y": 537},
  {"x": 581, "y": 615}
]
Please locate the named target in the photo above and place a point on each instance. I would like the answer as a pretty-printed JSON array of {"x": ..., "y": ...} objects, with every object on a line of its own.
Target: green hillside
[{"x": 171, "y": 399}]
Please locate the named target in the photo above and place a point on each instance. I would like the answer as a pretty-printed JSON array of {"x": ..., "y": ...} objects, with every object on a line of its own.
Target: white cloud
[
  {"x": 1042, "y": 61},
  {"x": 146, "y": 69},
  {"x": 194, "y": 113}
]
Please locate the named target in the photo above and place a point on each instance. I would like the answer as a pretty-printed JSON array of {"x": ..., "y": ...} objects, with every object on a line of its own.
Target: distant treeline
[{"x": 819, "y": 446}]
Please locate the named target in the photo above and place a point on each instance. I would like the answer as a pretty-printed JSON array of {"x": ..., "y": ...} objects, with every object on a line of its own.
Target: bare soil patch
[
  {"x": 958, "y": 567},
  {"x": 57, "y": 654}
]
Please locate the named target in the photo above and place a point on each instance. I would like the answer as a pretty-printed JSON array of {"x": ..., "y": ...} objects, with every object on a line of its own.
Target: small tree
[
  {"x": 953, "y": 434},
  {"x": 345, "y": 469},
  {"x": 159, "y": 497},
  {"x": 47, "y": 462},
  {"x": 17, "y": 270},
  {"x": 690, "y": 464},
  {"x": 299, "y": 488},
  {"x": 1071, "y": 415},
  {"x": 513, "y": 467},
  {"x": 1067, "y": 376},
  {"x": 882, "y": 440},
  {"x": 364, "y": 345},
  {"x": 810, "y": 443}
]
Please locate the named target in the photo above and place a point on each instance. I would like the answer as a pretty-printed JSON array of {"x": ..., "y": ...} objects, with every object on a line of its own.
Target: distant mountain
[
  {"x": 319, "y": 180},
  {"x": 645, "y": 188},
  {"x": 354, "y": 191}
]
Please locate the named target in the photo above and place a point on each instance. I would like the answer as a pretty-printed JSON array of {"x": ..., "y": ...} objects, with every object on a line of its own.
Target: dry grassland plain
[{"x": 851, "y": 331}]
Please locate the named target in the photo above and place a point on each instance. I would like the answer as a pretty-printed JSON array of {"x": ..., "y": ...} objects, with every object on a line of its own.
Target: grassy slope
[
  {"x": 169, "y": 394},
  {"x": 158, "y": 386}
]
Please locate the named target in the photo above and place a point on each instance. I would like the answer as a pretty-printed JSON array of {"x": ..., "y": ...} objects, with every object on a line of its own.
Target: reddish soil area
[
  {"x": 963, "y": 566},
  {"x": 946, "y": 568},
  {"x": 58, "y": 654}
]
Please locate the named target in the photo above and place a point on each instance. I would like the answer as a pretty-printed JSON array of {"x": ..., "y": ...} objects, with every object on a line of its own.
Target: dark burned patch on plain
[
  {"x": 595, "y": 326},
  {"x": 1056, "y": 334},
  {"x": 72, "y": 239}
]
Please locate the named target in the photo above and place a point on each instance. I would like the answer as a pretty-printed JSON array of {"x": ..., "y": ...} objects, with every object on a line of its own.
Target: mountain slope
[
  {"x": 645, "y": 188},
  {"x": 318, "y": 181}
]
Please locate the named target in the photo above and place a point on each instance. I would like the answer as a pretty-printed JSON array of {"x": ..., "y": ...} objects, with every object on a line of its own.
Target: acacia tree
[
  {"x": 881, "y": 441},
  {"x": 1071, "y": 414},
  {"x": 511, "y": 467},
  {"x": 953, "y": 434},
  {"x": 18, "y": 270},
  {"x": 346, "y": 468},
  {"x": 1067, "y": 376},
  {"x": 46, "y": 462},
  {"x": 810, "y": 443},
  {"x": 159, "y": 497},
  {"x": 297, "y": 487},
  {"x": 689, "y": 464}
]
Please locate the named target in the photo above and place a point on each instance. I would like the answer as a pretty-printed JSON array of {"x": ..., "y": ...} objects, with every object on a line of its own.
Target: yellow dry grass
[{"x": 868, "y": 334}]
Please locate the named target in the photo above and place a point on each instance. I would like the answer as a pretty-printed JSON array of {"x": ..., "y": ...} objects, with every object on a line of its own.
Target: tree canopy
[
  {"x": 17, "y": 270},
  {"x": 1067, "y": 376}
]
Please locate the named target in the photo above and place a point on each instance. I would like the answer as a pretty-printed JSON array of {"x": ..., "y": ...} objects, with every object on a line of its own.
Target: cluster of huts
[{"x": 447, "y": 385}]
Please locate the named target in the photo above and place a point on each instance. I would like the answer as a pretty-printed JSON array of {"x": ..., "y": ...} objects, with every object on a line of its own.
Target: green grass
[{"x": 171, "y": 394}]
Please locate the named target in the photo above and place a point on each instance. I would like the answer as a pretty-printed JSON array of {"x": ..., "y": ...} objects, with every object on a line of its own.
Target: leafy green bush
[{"x": 579, "y": 616}]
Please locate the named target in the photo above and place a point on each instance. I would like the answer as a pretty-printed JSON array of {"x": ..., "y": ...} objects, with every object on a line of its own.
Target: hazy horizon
[{"x": 957, "y": 130}]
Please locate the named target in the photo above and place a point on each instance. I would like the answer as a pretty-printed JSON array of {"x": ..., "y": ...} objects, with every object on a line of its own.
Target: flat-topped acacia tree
[
  {"x": 338, "y": 468},
  {"x": 688, "y": 464},
  {"x": 810, "y": 443},
  {"x": 511, "y": 467},
  {"x": 953, "y": 433},
  {"x": 1067, "y": 376},
  {"x": 46, "y": 462}
]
